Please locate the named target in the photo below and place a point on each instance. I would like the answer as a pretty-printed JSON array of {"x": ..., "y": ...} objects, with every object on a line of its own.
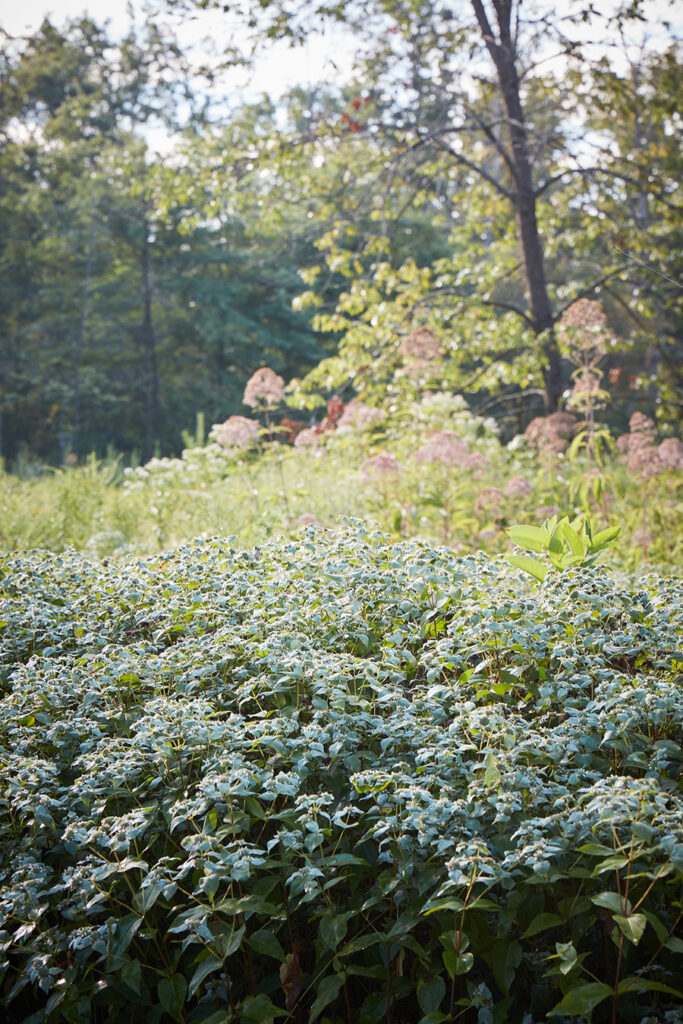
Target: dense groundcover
[{"x": 338, "y": 779}]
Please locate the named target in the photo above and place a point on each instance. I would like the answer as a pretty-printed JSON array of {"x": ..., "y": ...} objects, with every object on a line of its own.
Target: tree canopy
[{"x": 485, "y": 165}]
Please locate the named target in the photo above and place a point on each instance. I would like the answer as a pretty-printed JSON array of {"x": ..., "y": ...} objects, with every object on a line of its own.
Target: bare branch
[
  {"x": 619, "y": 175},
  {"x": 590, "y": 289},
  {"x": 510, "y": 196}
]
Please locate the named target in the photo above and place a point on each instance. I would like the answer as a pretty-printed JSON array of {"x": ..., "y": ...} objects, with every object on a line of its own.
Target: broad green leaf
[
  {"x": 596, "y": 850},
  {"x": 529, "y": 565},
  {"x": 172, "y": 992},
  {"x": 541, "y": 923},
  {"x": 574, "y": 541},
  {"x": 264, "y": 941},
  {"x": 581, "y": 1001},
  {"x": 605, "y": 537},
  {"x": 430, "y": 994},
  {"x": 506, "y": 957},
  {"x": 328, "y": 990},
  {"x": 131, "y": 975},
  {"x": 632, "y": 926},
  {"x": 259, "y": 1009},
  {"x": 614, "y": 862},
  {"x": 332, "y": 929},
  {"x": 207, "y": 966},
  {"x": 124, "y": 934},
  {"x": 612, "y": 901},
  {"x": 534, "y": 538},
  {"x": 636, "y": 984},
  {"x": 460, "y": 964}
]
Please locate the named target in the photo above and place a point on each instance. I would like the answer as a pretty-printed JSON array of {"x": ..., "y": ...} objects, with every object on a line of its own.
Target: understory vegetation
[
  {"x": 341, "y": 779},
  {"x": 430, "y": 470}
]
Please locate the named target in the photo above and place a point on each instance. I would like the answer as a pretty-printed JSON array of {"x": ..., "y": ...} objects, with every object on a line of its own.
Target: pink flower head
[
  {"x": 445, "y": 447},
  {"x": 476, "y": 463},
  {"x": 307, "y": 438},
  {"x": 236, "y": 432},
  {"x": 670, "y": 453},
  {"x": 518, "y": 487},
  {"x": 265, "y": 387},
  {"x": 359, "y": 416},
  {"x": 552, "y": 433},
  {"x": 381, "y": 465},
  {"x": 584, "y": 314},
  {"x": 307, "y": 520},
  {"x": 422, "y": 345},
  {"x": 641, "y": 424},
  {"x": 488, "y": 498}
]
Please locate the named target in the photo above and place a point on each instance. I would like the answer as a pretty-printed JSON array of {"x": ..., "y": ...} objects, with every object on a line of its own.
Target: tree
[
  {"x": 428, "y": 67},
  {"x": 129, "y": 298}
]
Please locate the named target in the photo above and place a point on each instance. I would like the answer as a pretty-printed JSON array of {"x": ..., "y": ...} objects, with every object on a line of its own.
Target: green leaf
[
  {"x": 430, "y": 994},
  {"x": 534, "y": 538},
  {"x": 529, "y": 565},
  {"x": 595, "y": 850},
  {"x": 582, "y": 1000},
  {"x": 574, "y": 541},
  {"x": 124, "y": 934},
  {"x": 614, "y": 862},
  {"x": 172, "y": 993},
  {"x": 456, "y": 965},
  {"x": 636, "y": 984},
  {"x": 131, "y": 975},
  {"x": 264, "y": 941},
  {"x": 632, "y": 926},
  {"x": 506, "y": 958},
  {"x": 332, "y": 929},
  {"x": 207, "y": 966},
  {"x": 259, "y": 1009},
  {"x": 328, "y": 990},
  {"x": 541, "y": 923},
  {"x": 605, "y": 537},
  {"x": 233, "y": 944},
  {"x": 612, "y": 901},
  {"x": 556, "y": 543},
  {"x": 567, "y": 955}
]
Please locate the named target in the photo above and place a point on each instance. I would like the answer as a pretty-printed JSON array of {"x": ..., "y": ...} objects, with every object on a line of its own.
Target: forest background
[{"x": 478, "y": 203}]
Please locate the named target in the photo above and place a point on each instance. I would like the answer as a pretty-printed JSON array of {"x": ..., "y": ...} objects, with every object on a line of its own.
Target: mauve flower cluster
[
  {"x": 236, "y": 432},
  {"x": 380, "y": 465},
  {"x": 421, "y": 345},
  {"x": 552, "y": 433},
  {"x": 670, "y": 453},
  {"x": 447, "y": 447},
  {"x": 307, "y": 520},
  {"x": 518, "y": 487},
  {"x": 643, "y": 459},
  {"x": 307, "y": 438},
  {"x": 360, "y": 416},
  {"x": 584, "y": 314},
  {"x": 488, "y": 498},
  {"x": 265, "y": 387}
]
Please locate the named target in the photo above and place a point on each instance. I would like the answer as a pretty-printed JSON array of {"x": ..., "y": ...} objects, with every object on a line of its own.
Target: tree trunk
[
  {"x": 502, "y": 51},
  {"x": 78, "y": 347},
  {"x": 149, "y": 353}
]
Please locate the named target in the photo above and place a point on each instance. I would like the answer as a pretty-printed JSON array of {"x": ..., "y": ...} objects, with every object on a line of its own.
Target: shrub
[{"x": 337, "y": 779}]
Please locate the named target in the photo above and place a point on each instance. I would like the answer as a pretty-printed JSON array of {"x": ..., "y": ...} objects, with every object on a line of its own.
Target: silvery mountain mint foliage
[{"x": 338, "y": 779}]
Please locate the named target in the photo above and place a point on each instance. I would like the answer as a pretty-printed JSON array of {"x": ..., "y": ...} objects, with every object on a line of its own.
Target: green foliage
[
  {"x": 566, "y": 544},
  {"x": 337, "y": 779},
  {"x": 429, "y": 470}
]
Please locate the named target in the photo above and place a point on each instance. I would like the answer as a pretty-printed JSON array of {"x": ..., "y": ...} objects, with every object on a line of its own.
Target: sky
[{"x": 325, "y": 59}]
